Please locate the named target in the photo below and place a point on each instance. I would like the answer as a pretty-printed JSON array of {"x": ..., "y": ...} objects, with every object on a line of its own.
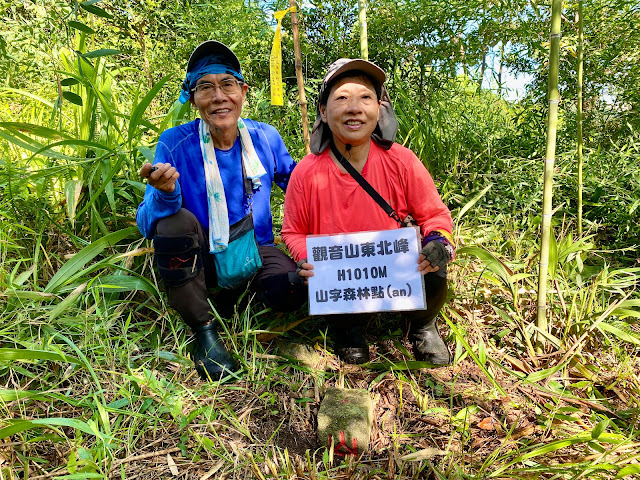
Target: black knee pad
[
  {"x": 281, "y": 294},
  {"x": 179, "y": 258}
]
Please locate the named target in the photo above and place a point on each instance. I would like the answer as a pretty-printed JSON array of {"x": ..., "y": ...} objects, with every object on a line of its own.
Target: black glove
[
  {"x": 299, "y": 264},
  {"x": 437, "y": 254}
]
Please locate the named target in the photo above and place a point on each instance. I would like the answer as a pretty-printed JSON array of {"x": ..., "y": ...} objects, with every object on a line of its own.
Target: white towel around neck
[{"x": 217, "y": 202}]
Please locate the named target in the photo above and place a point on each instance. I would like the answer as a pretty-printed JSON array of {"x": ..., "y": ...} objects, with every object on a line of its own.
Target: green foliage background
[{"x": 86, "y": 89}]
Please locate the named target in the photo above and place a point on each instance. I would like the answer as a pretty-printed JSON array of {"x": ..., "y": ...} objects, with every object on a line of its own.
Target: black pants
[
  {"x": 189, "y": 296},
  {"x": 435, "y": 287}
]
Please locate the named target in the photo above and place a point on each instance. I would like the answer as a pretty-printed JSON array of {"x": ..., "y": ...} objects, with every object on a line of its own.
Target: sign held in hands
[{"x": 365, "y": 272}]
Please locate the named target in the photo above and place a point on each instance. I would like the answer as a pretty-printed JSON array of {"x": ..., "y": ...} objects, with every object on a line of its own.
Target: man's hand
[
  {"x": 434, "y": 256},
  {"x": 161, "y": 176},
  {"x": 305, "y": 270}
]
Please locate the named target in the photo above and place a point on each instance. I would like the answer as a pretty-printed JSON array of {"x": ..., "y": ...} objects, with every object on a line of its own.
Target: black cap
[{"x": 211, "y": 48}]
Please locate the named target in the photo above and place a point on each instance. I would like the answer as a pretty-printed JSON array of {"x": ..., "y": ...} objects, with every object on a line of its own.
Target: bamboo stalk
[
  {"x": 579, "y": 101},
  {"x": 500, "y": 70},
  {"x": 549, "y": 160},
  {"x": 299, "y": 78},
  {"x": 362, "y": 19}
]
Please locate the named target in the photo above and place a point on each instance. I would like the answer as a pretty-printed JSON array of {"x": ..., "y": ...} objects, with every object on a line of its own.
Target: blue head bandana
[{"x": 211, "y": 64}]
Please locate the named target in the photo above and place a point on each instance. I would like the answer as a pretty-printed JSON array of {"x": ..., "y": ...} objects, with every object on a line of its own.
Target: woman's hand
[
  {"x": 305, "y": 270},
  {"x": 161, "y": 176},
  {"x": 433, "y": 257}
]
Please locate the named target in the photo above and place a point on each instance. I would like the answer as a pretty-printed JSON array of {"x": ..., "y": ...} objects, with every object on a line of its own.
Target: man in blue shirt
[{"x": 206, "y": 176}]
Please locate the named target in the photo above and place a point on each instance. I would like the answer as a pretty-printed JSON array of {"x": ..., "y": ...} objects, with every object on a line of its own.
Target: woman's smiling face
[{"x": 352, "y": 110}]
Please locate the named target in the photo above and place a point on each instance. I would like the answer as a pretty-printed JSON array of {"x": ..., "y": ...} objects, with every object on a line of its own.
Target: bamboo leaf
[
  {"x": 45, "y": 150},
  {"x": 72, "y": 190},
  {"x": 32, "y": 129},
  {"x": 140, "y": 186},
  {"x": 106, "y": 107},
  {"x": 81, "y": 27},
  {"x": 176, "y": 112},
  {"x": 27, "y": 94},
  {"x": 24, "y": 354},
  {"x": 89, "y": 7},
  {"x": 8, "y": 395},
  {"x": 72, "y": 143},
  {"x": 28, "y": 143},
  {"x": 472, "y": 202},
  {"x": 17, "y": 426},
  {"x": 84, "y": 361},
  {"x": 172, "y": 357},
  {"x": 628, "y": 470},
  {"x": 24, "y": 276},
  {"x": 124, "y": 283},
  {"x": 138, "y": 111},
  {"x": 424, "y": 454},
  {"x": 67, "y": 302},
  {"x": 625, "y": 313},
  {"x": 392, "y": 366},
  {"x": 601, "y": 427},
  {"x": 108, "y": 172},
  {"x": 102, "y": 52},
  {"x": 491, "y": 262},
  {"x": 546, "y": 373},
  {"x": 72, "y": 97},
  {"x": 628, "y": 308},
  {"x": 146, "y": 152},
  {"x": 80, "y": 476},
  {"x": 84, "y": 256},
  {"x": 621, "y": 334},
  {"x": 106, "y": 181},
  {"x": 28, "y": 294},
  {"x": 482, "y": 352},
  {"x": 551, "y": 447},
  {"x": 460, "y": 339},
  {"x": 557, "y": 445}
]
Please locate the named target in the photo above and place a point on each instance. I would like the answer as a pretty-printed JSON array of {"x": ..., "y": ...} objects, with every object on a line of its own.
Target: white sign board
[{"x": 365, "y": 272}]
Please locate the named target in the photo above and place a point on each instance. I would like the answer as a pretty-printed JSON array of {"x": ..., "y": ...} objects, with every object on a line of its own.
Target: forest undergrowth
[{"x": 98, "y": 381}]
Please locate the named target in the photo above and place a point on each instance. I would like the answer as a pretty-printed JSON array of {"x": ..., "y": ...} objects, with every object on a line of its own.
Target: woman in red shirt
[{"x": 354, "y": 114}]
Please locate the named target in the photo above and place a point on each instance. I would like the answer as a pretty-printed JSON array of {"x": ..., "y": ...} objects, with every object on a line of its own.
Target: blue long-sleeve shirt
[{"x": 180, "y": 147}]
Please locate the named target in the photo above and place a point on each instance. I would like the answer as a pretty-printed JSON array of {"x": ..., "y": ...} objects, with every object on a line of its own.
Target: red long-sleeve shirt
[{"x": 321, "y": 199}]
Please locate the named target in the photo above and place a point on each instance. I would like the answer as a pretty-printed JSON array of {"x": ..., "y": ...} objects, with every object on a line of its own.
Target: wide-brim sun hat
[
  {"x": 209, "y": 57},
  {"x": 343, "y": 65},
  {"x": 387, "y": 127}
]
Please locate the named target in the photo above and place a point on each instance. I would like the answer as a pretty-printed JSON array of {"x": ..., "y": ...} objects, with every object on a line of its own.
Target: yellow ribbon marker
[{"x": 275, "y": 63}]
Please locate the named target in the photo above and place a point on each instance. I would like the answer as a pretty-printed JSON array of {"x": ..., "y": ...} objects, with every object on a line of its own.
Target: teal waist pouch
[{"x": 241, "y": 260}]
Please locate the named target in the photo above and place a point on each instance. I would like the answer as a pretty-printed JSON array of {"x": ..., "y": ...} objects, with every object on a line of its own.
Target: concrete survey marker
[
  {"x": 302, "y": 353},
  {"x": 346, "y": 418}
]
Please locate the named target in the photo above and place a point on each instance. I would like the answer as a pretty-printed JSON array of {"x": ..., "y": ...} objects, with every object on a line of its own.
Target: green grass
[{"x": 99, "y": 384}]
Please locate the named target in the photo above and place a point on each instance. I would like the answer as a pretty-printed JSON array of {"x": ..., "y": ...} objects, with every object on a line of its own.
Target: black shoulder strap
[
  {"x": 247, "y": 182},
  {"x": 366, "y": 185},
  {"x": 248, "y": 186}
]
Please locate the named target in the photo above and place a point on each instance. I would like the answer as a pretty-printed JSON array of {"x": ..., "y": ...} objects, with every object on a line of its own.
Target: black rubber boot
[
  {"x": 348, "y": 339},
  {"x": 428, "y": 345},
  {"x": 212, "y": 361}
]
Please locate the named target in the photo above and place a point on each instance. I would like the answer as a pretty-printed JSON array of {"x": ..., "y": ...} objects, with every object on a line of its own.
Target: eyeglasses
[{"x": 206, "y": 89}]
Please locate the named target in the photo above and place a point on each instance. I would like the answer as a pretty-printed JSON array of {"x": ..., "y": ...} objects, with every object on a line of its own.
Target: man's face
[
  {"x": 219, "y": 109},
  {"x": 352, "y": 110}
]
